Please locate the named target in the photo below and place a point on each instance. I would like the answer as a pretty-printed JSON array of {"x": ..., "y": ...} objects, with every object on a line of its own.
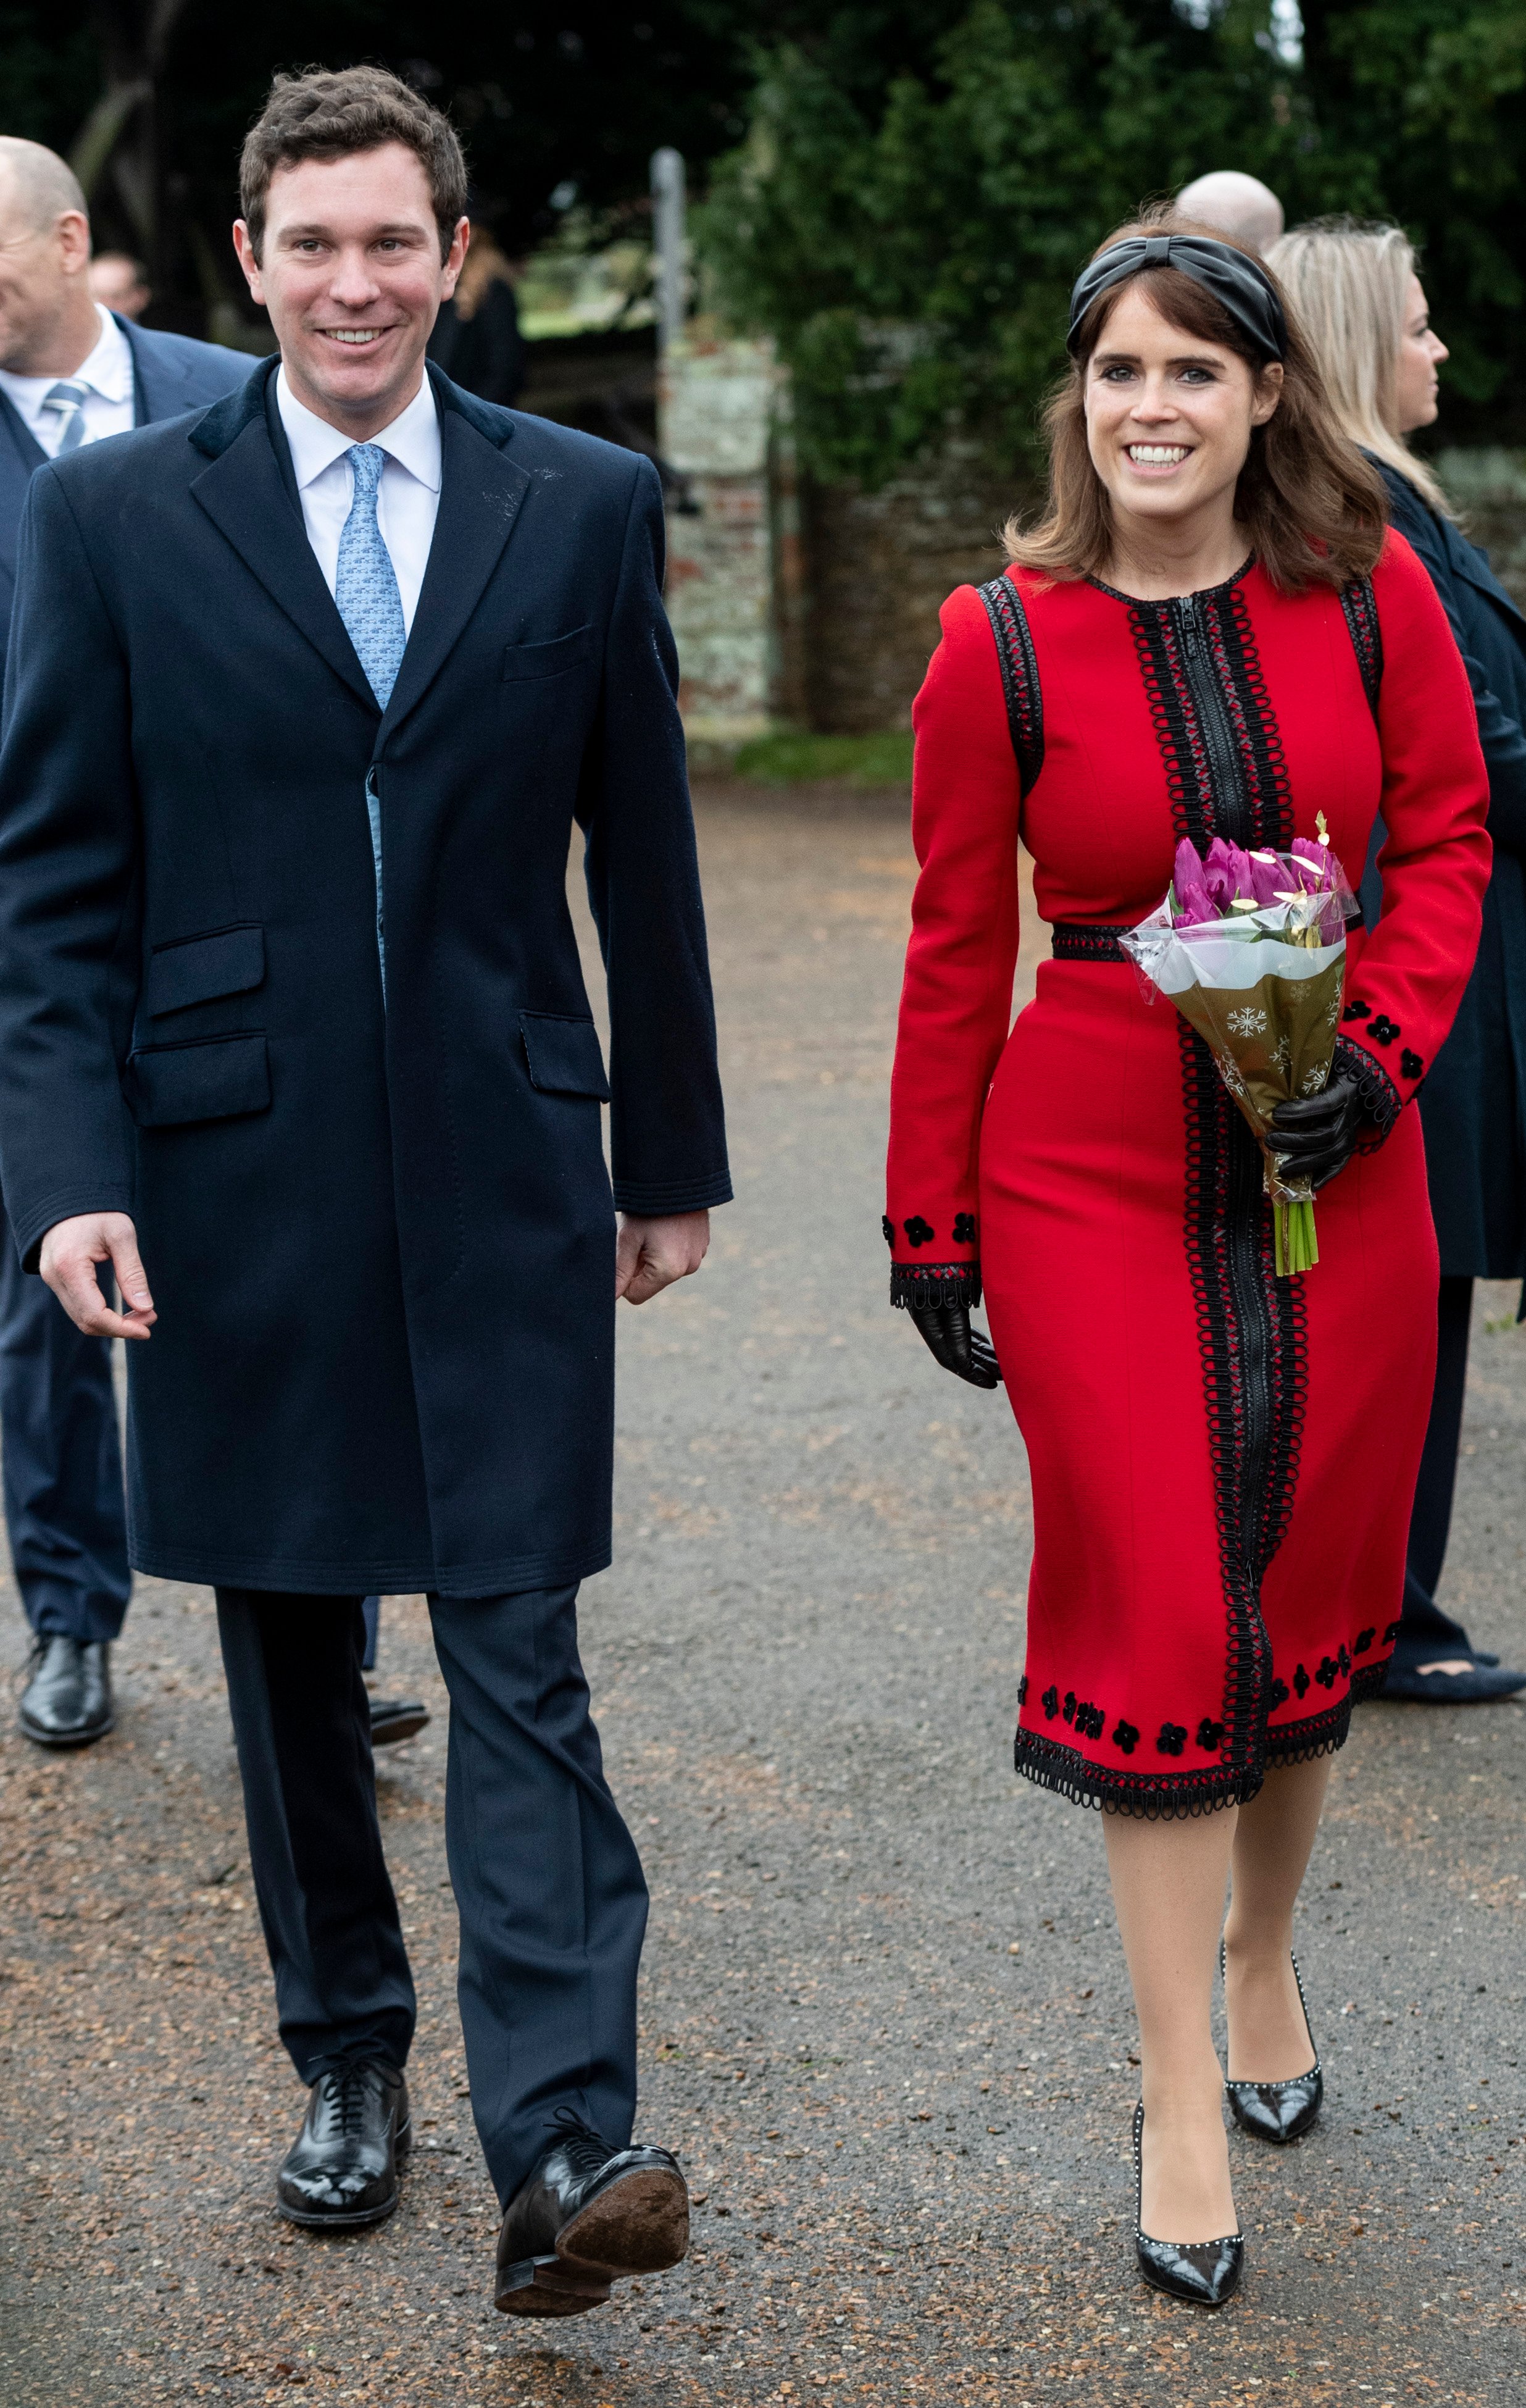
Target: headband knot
[{"x": 1239, "y": 283}]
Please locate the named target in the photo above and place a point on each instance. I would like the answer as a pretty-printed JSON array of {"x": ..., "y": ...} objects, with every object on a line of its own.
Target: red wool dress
[{"x": 1222, "y": 1461}]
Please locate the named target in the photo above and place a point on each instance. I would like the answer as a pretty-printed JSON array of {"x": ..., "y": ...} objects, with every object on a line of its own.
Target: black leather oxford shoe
[
  {"x": 342, "y": 2169},
  {"x": 66, "y": 1701},
  {"x": 586, "y": 2216},
  {"x": 397, "y": 1718}
]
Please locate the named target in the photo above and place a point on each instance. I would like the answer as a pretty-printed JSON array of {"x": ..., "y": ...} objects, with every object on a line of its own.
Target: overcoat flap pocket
[
  {"x": 563, "y": 1054},
  {"x": 195, "y": 970},
  {"x": 548, "y": 660},
  {"x": 211, "y": 1080}
]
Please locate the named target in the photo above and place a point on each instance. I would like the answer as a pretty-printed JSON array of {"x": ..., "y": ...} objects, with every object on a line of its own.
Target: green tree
[{"x": 912, "y": 249}]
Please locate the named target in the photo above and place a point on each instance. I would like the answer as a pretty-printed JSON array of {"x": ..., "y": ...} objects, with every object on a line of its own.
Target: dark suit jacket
[
  {"x": 380, "y": 1238},
  {"x": 171, "y": 375},
  {"x": 1472, "y": 1104}
]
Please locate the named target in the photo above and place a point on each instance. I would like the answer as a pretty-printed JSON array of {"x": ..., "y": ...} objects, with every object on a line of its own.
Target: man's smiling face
[{"x": 351, "y": 274}]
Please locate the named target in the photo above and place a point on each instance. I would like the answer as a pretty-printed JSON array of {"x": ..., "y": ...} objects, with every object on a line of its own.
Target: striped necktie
[{"x": 68, "y": 400}]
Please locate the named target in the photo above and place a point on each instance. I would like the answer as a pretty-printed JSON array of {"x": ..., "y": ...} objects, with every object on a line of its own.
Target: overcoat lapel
[
  {"x": 482, "y": 500},
  {"x": 244, "y": 495}
]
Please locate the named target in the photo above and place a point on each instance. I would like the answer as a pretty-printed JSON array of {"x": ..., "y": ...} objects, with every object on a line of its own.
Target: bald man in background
[
  {"x": 1237, "y": 205},
  {"x": 71, "y": 373}
]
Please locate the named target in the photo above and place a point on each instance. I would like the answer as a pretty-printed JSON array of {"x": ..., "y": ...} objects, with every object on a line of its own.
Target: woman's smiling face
[{"x": 1169, "y": 416}]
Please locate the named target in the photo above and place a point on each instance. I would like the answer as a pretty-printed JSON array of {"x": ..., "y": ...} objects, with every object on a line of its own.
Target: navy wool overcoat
[
  {"x": 1473, "y": 1105},
  {"x": 378, "y": 1227}
]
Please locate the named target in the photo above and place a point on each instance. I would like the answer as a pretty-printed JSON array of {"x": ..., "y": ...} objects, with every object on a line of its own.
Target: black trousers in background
[
  {"x": 548, "y": 1886},
  {"x": 1430, "y": 1522},
  {"x": 64, "y": 1508}
]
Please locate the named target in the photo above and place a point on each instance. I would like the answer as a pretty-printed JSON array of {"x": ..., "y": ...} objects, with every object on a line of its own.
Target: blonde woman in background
[{"x": 1361, "y": 306}]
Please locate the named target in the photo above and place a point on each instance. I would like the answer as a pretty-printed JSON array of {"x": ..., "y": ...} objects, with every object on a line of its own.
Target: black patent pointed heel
[
  {"x": 1279, "y": 2111},
  {"x": 1204, "y": 2272}
]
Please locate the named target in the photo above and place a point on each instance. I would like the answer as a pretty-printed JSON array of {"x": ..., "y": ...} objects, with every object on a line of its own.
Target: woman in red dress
[{"x": 1210, "y": 634}]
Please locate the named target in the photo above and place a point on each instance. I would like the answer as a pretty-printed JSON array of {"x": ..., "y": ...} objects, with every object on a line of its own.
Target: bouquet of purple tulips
[{"x": 1250, "y": 947}]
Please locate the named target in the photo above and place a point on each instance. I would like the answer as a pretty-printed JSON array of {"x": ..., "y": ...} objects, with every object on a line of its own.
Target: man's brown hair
[
  {"x": 1312, "y": 507},
  {"x": 328, "y": 114}
]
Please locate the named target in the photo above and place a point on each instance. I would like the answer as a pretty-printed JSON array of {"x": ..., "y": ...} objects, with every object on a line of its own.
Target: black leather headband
[{"x": 1237, "y": 284}]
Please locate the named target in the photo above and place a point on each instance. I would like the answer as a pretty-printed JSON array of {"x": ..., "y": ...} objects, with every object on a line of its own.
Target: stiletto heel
[
  {"x": 1279, "y": 2111},
  {"x": 1205, "y": 2272}
]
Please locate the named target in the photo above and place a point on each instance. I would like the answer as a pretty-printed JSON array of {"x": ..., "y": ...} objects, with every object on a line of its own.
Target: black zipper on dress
[
  {"x": 1230, "y": 816},
  {"x": 1226, "y": 777}
]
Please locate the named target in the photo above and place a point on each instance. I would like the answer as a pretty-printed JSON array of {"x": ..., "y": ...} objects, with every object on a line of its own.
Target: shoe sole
[
  {"x": 396, "y": 1727},
  {"x": 317, "y": 2222},
  {"x": 638, "y": 2226},
  {"x": 41, "y": 1738}
]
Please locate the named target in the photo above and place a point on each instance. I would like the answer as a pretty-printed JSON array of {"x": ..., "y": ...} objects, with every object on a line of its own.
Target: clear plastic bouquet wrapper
[{"x": 1250, "y": 947}]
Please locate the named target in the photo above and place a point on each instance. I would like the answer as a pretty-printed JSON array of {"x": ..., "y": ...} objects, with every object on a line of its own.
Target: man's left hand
[{"x": 650, "y": 1255}]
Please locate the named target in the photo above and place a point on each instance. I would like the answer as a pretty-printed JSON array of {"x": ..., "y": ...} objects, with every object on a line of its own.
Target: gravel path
[{"x": 885, "y": 2017}]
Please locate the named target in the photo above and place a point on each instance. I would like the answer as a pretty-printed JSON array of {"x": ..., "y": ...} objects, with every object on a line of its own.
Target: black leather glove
[
  {"x": 1317, "y": 1136},
  {"x": 945, "y": 1331}
]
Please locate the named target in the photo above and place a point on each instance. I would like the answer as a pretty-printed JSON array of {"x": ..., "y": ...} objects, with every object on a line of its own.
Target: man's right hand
[{"x": 70, "y": 1252}]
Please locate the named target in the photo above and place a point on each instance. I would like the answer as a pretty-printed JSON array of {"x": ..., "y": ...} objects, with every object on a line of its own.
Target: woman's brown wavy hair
[{"x": 1314, "y": 508}]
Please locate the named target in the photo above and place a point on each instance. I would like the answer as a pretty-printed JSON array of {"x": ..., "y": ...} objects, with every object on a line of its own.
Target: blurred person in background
[
  {"x": 120, "y": 283},
  {"x": 71, "y": 373},
  {"x": 1363, "y": 307},
  {"x": 477, "y": 338},
  {"x": 1237, "y": 205}
]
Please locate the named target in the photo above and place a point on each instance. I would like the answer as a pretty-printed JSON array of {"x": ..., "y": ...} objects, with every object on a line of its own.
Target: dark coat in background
[
  {"x": 380, "y": 1236},
  {"x": 485, "y": 353},
  {"x": 1472, "y": 1104},
  {"x": 172, "y": 375}
]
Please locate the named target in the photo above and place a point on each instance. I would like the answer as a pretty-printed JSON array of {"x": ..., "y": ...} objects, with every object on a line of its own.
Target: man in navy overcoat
[
  {"x": 71, "y": 373},
  {"x": 303, "y": 699}
]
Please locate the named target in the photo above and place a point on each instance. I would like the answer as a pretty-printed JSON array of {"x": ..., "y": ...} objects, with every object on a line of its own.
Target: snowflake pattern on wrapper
[{"x": 1247, "y": 1020}]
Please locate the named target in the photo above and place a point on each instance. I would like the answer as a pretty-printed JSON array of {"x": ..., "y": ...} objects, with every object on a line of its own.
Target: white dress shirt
[
  {"x": 108, "y": 405},
  {"x": 408, "y": 495}
]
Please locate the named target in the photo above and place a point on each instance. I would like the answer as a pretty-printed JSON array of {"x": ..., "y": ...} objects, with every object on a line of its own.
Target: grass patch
[{"x": 788, "y": 756}]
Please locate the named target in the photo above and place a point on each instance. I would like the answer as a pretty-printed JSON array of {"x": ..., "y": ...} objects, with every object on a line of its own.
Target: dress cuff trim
[
  {"x": 1380, "y": 1098},
  {"x": 917, "y": 1287}
]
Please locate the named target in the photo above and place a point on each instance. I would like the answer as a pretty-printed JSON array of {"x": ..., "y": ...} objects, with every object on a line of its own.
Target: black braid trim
[
  {"x": 916, "y": 1287},
  {"x": 1080, "y": 940},
  {"x": 1177, "y": 733},
  {"x": 1149, "y": 1797},
  {"x": 1360, "y": 604},
  {"x": 1019, "y": 664},
  {"x": 1380, "y": 1098},
  {"x": 1323, "y": 1734}
]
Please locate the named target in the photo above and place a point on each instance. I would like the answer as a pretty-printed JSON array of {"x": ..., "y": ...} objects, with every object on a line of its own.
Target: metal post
[{"x": 668, "y": 196}]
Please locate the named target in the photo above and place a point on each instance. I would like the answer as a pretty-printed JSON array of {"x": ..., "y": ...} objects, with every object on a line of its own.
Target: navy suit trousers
[
  {"x": 548, "y": 1886},
  {"x": 64, "y": 1508}
]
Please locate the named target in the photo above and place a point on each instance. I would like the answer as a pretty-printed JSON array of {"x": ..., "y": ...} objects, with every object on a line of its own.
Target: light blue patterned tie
[
  {"x": 371, "y": 607},
  {"x": 365, "y": 581},
  {"x": 68, "y": 400}
]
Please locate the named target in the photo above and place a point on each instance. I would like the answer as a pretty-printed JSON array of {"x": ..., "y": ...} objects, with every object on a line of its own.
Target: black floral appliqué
[
  {"x": 1070, "y": 1705},
  {"x": 1125, "y": 1737},
  {"x": 1343, "y": 1660},
  {"x": 1390, "y": 1634},
  {"x": 1363, "y": 1640},
  {"x": 1050, "y": 1701},
  {"x": 1023, "y": 1690},
  {"x": 964, "y": 1228},
  {"x": 1089, "y": 1720},
  {"x": 1384, "y": 1030},
  {"x": 1173, "y": 1739},
  {"x": 1410, "y": 1063},
  {"x": 1277, "y": 1695},
  {"x": 1211, "y": 1735},
  {"x": 917, "y": 1230},
  {"x": 1300, "y": 1682},
  {"x": 1327, "y": 1671},
  {"x": 888, "y": 1227},
  {"x": 1358, "y": 1010}
]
